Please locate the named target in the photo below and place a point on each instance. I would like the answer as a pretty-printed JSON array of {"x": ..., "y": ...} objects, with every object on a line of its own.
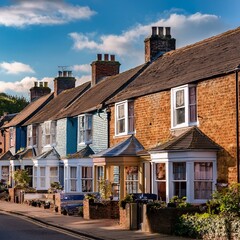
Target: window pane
[
  {"x": 87, "y": 185},
  {"x": 202, "y": 190},
  {"x": 203, "y": 171},
  {"x": 161, "y": 190},
  {"x": 160, "y": 171},
  {"x": 179, "y": 171},
  {"x": 180, "y": 115},
  {"x": 121, "y": 126},
  {"x": 179, "y": 98},
  {"x": 131, "y": 126},
  {"x": 73, "y": 172},
  {"x": 192, "y": 95},
  {"x": 121, "y": 113},
  {"x": 131, "y": 182},
  {"x": 193, "y": 113},
  {"x": 180, "y": 189},
  {"x": 34, "y": 135},
  {"x": 86, "y": 172}
]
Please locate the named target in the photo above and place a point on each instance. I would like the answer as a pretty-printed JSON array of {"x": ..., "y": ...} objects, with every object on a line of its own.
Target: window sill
[
  {"x": 184, "y": 125},
  {"x": 84, "y": 143}
]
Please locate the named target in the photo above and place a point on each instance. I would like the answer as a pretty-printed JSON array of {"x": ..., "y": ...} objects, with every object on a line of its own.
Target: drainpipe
[{"x": 237, "y": 69}]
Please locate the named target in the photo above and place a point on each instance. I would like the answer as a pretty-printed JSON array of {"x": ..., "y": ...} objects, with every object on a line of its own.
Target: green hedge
[{"x": 208, "y": 226}]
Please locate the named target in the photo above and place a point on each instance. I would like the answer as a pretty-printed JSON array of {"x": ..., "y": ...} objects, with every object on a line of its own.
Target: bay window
[
  {"x": 85, "y": 129},
  {"x": 12, "y": 133},
  {"x": 183, "y": 107},
  {"x": 124, "y": 118}
]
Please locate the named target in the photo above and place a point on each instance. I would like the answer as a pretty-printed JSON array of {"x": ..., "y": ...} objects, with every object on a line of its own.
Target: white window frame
[
  {"x": 86, "y": 178},
  {"x": 87, "y": 128},
  {"x": 187, "y": 104},
  {"x": 49, "y": 129},
  {"x": 126, "y": 118}
]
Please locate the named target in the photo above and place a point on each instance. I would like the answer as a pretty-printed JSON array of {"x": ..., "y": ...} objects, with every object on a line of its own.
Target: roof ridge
[{"x": 202, "y": 42}]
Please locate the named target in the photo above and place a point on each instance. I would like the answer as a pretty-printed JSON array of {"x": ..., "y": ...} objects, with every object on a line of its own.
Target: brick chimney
[
  {"x": 64, "y": 81},
  {"x": 158, "y": 43},
  {"x": 40, "y": 89},
  {"x": 104, "y": 67}
]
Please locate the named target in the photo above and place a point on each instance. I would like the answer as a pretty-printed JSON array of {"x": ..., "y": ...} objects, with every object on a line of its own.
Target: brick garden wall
[{"x": 107, "y": 209}]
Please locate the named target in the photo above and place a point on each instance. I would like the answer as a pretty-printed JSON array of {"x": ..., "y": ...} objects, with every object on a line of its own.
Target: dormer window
[
  {"x": 184, "y": 106},
  {"x": 31, "y": 135},
  {"x": 124, "y": 118},
  {"x": 49, "y": 131},
  {"x": 85, "y": 129}
]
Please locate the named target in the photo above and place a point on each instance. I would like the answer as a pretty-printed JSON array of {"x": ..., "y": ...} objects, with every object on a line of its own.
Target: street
[{"x": 14, "y": 227}]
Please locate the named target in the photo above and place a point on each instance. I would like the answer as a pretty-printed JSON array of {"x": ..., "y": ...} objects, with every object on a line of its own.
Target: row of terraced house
[{"x": 169, "y": 126}]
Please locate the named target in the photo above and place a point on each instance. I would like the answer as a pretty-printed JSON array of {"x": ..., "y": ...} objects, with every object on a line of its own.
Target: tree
[
  {"x": 11, "y": 104},
  {"x": 21, "y": 178}
]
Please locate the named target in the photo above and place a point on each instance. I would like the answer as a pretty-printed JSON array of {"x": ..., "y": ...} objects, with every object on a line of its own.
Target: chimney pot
[
  {"x": 167, "y": 31},
  {"x": 160, "y": 31},
  {"x": 41, "y": 84},
  {"x": 99, "y": 57},
  {"x": 64, "y": 73},
  {"x": 45, "y": 84},
  {"x": 154, "y": 31},
  {"x": 60, "y": 73},
  {"x": 105, "y": 57},
  {"x": 113, "y": 58},
  {"x": 35, "y": 84}
]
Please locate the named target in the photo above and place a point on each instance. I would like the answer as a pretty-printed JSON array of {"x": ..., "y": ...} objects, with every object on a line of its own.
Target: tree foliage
[{"x": 11, "y": 104}]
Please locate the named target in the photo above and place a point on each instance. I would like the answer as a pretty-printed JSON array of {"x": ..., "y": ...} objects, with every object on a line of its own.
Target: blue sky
[{"x": 38, "y": 36}]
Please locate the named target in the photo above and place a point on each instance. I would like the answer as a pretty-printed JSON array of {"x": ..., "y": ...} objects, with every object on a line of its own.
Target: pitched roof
[
  {"x": 83, "y": 153},
  {"x": 100, "y": 92},
  {"x": 27, "y": 153},
  {"x": 6, "y": 156},
  {"x": 128, "y": 147},
  {"x": 50, "y": 154},
  {"x": 6, "y": 118},
  {"x": 57, "y": 104},
  {"x": 208, "y": 58},
  {"x": 193, "y": 139},
  {"x": 31, "y": 109}
]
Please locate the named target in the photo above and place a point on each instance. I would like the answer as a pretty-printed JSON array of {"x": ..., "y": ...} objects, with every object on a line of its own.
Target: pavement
[{"x": 105, "y": 229}]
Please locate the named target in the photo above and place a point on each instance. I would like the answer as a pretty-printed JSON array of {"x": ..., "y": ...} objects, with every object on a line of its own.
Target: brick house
[{"x": 183, "y": 110}]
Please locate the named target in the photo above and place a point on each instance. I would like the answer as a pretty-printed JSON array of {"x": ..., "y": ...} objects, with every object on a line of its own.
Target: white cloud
[
  {"x": 82, "y": 68},
  {"x": 23, "y": 86},
  {"x": 129, "y": 45},
  {"x": 15, "y": 68},
  {"x": 44, "y": 12},
  {"x": 83, "y": 79}
]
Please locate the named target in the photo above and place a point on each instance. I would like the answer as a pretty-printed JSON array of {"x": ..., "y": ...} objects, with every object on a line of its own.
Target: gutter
[{"x": 237, "y": 69}]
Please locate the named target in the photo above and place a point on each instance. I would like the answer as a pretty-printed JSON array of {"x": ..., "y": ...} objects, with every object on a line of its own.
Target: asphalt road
[{"x": 19, "y": 228}]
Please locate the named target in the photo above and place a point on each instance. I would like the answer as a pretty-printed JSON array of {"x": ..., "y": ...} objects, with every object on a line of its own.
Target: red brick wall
[{"x": 216, "y": 111}]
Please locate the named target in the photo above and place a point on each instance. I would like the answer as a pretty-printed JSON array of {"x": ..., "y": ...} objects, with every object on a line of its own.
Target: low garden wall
[{"x": 100, "y": 210}]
